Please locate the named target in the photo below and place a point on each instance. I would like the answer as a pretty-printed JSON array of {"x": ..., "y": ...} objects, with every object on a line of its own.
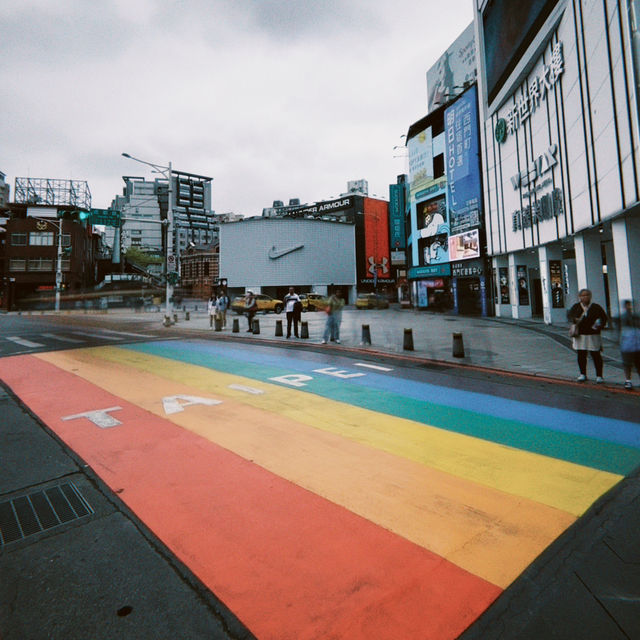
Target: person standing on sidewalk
[
  {"x": 211, "y": 309},
  {"x": 250, "y": 308},
  {"x": 334, "y": 318},
  {"x": 290, "y": 302},
  {"x": 222, "y": 304},
  {"x": 588, "y": 319},
  {"x": 629, "y": 327}
]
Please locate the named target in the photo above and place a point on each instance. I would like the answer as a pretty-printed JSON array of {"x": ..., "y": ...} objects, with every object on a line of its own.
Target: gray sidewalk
[{"x": 528, "y": 347}]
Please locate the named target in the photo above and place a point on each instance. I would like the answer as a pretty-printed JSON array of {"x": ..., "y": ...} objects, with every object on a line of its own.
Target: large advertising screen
[
  {"x": 374, "y": 267},
  {"x": 508, "y": 29},
  {"x": 420, "y": 148},
  {"x": 454, "y": 69},
  {"x": 462, "y": 166}
]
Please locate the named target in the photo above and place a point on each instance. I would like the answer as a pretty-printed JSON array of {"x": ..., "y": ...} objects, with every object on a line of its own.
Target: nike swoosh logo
[{"x": 275, "y": 253}]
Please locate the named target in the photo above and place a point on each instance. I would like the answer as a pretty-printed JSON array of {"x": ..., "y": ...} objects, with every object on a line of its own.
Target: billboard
[
  {"x": 508, "y": 29},
  {"x": 420, "y": 148},
  {"x": 454, "y": 69},
  {"x": 375, "y": 264},
  {"x": 461, "y": 162},
  {"x": 464, "y": 246}
]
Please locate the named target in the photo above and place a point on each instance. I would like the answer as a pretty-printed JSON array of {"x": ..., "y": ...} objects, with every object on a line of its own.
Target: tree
[{"x": 142, "y": 258}]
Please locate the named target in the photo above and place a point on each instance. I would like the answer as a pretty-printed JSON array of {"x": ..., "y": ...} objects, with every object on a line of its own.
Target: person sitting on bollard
[
  {"x": 250, "y": 308},
  {"x": 334, "y": 317},
  {"x": 291, "y": 300}
]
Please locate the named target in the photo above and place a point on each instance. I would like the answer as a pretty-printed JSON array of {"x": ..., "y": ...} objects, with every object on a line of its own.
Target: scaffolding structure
[{"x": 48, "y": 191}]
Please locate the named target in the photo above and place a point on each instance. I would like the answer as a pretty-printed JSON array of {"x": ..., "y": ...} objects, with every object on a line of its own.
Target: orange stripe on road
[{"x": 288, "y": 563}]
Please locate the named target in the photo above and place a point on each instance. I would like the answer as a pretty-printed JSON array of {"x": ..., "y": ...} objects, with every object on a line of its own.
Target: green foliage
[{"x": 142, "y": 258}]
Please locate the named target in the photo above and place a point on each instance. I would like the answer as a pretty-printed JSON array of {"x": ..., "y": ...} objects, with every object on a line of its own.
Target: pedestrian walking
[
  {"x": 222, "y": 304},
  {"x": 587, "y": 321},
  {"x": 211, "y": 309},
  {"x": 629, "y": 328},
  {"x": 334, "y": 318},
  {"x": 290, "y": 303},
  {"x": 250, "y": 308}
]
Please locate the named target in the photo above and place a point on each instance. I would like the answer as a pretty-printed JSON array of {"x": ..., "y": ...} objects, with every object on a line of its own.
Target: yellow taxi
[{"x": 265, "y": 304}]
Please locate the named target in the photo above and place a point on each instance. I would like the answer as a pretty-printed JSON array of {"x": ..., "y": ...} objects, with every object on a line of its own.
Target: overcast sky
[{"x": 274, "y": 99}]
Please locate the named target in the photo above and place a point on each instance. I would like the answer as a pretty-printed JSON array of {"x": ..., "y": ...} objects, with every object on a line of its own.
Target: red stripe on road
[{"x": 287, "y": 562}]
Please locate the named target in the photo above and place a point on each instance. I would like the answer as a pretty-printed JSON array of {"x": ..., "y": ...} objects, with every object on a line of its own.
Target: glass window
[
  {"x": 19, "y": 239},
  {"x": 41, "y": 238},
  {"x": 17, "y": 264},
  {"x": 40, "y": 264}
]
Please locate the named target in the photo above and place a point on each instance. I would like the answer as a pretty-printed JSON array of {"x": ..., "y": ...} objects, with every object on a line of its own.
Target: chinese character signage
[
  {"x": 396, "y": 216},
  {"x": 555, "y": 276},
  {"x": 531, "y": 95},
  {"x": 462, "y": 166}
]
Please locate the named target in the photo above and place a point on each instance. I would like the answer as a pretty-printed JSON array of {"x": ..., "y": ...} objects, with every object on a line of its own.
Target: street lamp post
[
  {"x": 58, "y": 226},
  {"x": 166, "y": 172}
]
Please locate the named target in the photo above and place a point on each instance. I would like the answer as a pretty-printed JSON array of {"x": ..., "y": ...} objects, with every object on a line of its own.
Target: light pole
[
  {"x": 166, "y": 172},
  {"x": 58, "y": 226}
]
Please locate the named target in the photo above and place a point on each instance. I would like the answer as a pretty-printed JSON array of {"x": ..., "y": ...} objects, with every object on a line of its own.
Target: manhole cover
[{"x": 34, "y": 512}]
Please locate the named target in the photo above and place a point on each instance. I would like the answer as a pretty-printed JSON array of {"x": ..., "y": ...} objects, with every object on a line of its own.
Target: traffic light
[
  {"x": 75, "y": 215},
  {"x": 66, "y": 251}
]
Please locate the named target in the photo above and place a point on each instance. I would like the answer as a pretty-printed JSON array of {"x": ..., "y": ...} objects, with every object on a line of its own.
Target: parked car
[
  {"x": 313, "y": 302},
  {"x": 265, "y": 303},
  {"x": 371, "y": 301}
]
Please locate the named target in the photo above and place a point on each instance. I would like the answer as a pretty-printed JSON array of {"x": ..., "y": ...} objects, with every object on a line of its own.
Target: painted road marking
[
  {"x": 23, "y": 342},
  {"x": 246, "y": 389},
  {"x": 55, "y": 336},
  {"x": 548, "y": 480},
  {"x": 95, "y": 335},
  {"x": 281, "y": 463},
  {"x": 99, "y": 417},
  {"x": 373, "y": 366},
  {"x": 280, "y": 556},
  {"x": 126, "y": 333},
  {"x": 176, "y": 404}
]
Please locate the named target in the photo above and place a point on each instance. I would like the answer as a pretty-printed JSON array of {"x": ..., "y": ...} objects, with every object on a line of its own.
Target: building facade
[
  {"x": 268, "y": 255},
  {"x": 446, "y": 243},
  {"x": 558, "y": 93}
]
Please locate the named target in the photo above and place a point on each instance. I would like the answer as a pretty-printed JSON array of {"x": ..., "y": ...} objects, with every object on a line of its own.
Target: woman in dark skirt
[{"x": 589, "y": 319}]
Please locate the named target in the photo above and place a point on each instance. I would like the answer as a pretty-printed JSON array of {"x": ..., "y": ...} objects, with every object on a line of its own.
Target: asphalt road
[{"x": 293, "y": 491}]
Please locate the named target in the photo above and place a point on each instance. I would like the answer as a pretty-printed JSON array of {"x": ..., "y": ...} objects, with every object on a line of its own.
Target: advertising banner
[
  {"x": 555, "y": 276},
  {"x": 461, "y": 161},
  {"x": 376, "y": 241},
  {"x": 504, "y": 285},
  {"x": 420, "y": 149},
  {"x": 464, "y": 246},
  {"x": 396, "y": 216},
  {"x": 455, "y": 68},
  {"x": 523, "y": 284}
]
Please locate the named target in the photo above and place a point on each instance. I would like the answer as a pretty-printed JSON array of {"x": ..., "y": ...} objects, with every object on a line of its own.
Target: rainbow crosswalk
[{"x": 326, "y": 502}]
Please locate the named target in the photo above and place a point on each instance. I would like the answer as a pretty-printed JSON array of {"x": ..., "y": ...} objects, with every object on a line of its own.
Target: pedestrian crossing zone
[{"x": 323, "y": 501}]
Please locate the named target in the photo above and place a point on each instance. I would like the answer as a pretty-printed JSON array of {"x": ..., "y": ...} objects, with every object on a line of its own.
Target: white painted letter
[
  {"x": 99, "y": 417},
  {"x": 294, "y": 379},
  {"x": 172, "y": 404},
  {"x": 338, "y": 373}
]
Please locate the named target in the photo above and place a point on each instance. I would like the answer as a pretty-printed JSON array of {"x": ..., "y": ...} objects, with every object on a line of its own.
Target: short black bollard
[
  {"x": 278, "y": 327},
  {"x": 408, "y": 340},
  {"x": 184, "y": 307},
  {"x": 187, "y": 316},
  {"x": 236, "y": 326},
  {"x": 167, "y": 321},
  {"x": 255, "y": 326},
  {"x": 218, "y": 324},
  {"x": 458, "y": 346},
  {"x": 366, "y": 334},
  {"x": 304, "y": 329},
  {"x": 175, "y": 317}
]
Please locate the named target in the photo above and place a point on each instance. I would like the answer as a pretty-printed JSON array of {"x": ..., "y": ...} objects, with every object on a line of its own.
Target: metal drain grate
[{"x": 41, "y": 510}]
